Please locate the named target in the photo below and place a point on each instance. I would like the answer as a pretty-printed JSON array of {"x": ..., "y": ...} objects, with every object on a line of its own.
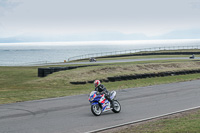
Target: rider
[{"x": 102, "y": 89}]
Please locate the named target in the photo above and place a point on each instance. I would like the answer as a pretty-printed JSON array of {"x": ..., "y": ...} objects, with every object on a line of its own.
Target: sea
[{"x": 16, "y": 54}]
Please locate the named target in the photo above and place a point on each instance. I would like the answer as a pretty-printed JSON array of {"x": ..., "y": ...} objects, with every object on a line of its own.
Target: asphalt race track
[
  {"x": 133, "y": 60},
  {"x": 111, "y": 61},
  {"x": 72, "y": 113}
]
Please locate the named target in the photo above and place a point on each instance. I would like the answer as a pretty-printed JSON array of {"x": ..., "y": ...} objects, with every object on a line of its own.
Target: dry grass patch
[{"x": 102, "y": 72}]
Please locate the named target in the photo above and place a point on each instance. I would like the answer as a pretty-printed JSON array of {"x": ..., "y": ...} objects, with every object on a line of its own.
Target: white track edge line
[{"x": 137, "y": 121}]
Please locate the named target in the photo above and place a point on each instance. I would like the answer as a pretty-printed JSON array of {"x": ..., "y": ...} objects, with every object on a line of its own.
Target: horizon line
[{"x": 114, "y": 42}]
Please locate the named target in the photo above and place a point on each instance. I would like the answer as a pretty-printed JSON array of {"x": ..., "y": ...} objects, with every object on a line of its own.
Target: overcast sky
[{"x": 86, "y": 17}]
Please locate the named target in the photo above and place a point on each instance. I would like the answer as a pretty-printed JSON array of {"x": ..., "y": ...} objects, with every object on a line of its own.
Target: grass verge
[{"x": 185, "y": 122}]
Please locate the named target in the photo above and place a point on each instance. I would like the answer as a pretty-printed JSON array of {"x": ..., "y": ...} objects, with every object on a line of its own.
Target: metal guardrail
[{"x": 86, "y": 56}]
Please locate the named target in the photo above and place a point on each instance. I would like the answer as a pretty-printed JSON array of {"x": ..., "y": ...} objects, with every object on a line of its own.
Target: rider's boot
[
  {"x": 110, "y": 100},
  {"x": 111, "y": 103}
]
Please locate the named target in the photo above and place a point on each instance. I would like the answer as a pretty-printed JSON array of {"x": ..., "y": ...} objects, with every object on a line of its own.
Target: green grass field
[{"x": 186, "y": 122}]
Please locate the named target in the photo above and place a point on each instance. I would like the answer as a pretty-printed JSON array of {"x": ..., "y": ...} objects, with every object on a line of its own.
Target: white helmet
[{"x": 97, "y": 83}]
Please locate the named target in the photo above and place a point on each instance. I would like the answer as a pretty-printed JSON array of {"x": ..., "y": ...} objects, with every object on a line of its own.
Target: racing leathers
[{"x": 102, "y": 89}]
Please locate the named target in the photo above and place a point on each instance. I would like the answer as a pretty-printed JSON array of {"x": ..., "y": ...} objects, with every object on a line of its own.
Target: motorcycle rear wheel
[
  {"x": 96, "y": 110},
  {"x": 117, "y": 107}
]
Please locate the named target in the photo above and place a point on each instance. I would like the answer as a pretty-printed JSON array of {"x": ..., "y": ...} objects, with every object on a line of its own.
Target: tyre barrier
[
  {"x": 133, "y": 77},
  {"x": 118, "y": 78},
  {"x": 162, "y": 74},
  {"x": 72, "y": 67},
  {"x": 168, "y": 74},
  {"x": 145, "y": 75},
  {"x": 124, "y": 77},
  {"x": 105, "y": 80},
  {"x": 78, "y": 83},
  {"x": 40, "y": 72},
  {"x": 43, "y": 72},
  {"x": 111, "y": 79},
  {"x": 138, "y": 76},
  {"x": 130, "y": 77},
  {"x": 92, "y": 81}
]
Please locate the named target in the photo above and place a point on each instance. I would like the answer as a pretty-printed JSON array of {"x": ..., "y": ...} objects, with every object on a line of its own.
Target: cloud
[
  {"x": 195, "y": 4},
  {"x": 96, "y": 20},
  {"x": 8, "y": 5}
]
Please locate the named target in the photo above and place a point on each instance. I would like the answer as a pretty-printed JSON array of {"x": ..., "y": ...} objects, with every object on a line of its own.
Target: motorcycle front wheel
[
  {"x": 117, "y": 107},
  {"x": 96, "y": 110}
]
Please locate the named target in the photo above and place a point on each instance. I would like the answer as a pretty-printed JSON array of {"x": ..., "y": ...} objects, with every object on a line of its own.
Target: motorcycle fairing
[
  {"x": 112, "y": 94},
  {"x": 106, "y": 106},
  {"x": 94, "y": 103},
  {"x": 100, "y": 99}
]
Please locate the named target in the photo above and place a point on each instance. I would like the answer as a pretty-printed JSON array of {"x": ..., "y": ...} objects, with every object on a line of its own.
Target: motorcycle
[
  {"x": 92, "y": 59},
  {"x": 100, "y": 104}
]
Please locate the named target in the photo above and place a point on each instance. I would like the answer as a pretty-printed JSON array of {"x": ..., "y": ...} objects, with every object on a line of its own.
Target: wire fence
[{"x": 131, "y": 51}]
